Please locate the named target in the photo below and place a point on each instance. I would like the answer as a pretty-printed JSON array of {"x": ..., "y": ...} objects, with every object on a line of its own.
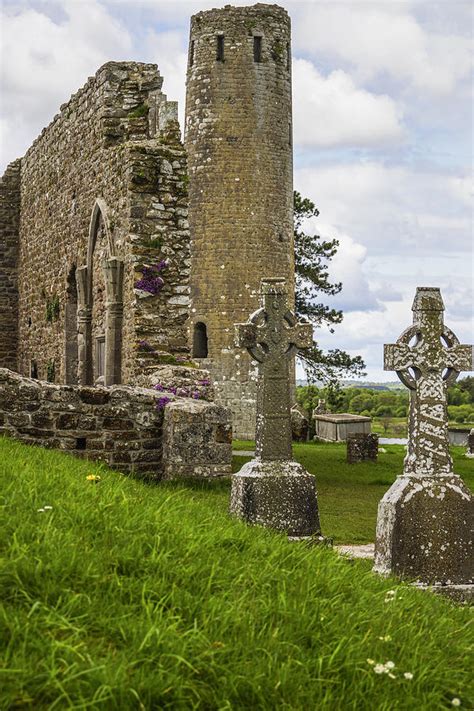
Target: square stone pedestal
[
  {"x": 276, "y": 494},
  {"x": 425, "y": 531}
]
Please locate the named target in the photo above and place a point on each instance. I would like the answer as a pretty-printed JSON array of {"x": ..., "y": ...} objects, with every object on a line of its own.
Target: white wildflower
[
  {"x": 390, "y": 665},
  {"x": 40, "y": 511},
  {"x": 48, "y": 508},
  {"x": 392, "y": 676},
  {"x": 370, "y": 661},
  {"x": 455, "y": 702},
  {"x": 379, "y": 669},
  {"x": 408, "y": 675}
]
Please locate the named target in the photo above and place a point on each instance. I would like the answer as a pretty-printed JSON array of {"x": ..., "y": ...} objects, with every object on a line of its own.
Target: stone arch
[{"x": 109, "y": 345}]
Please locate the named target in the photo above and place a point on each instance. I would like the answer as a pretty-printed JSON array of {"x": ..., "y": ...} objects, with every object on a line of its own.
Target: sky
[{"x": 382, "y": 102}]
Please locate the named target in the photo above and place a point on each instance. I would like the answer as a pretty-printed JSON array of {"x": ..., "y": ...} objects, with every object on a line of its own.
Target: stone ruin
[
  {"x": 273, "y": 490},
  {"x": 425, "y": 523},
  {"x": 98, "y": 281},
  {"x": 125, "y": 427},
  {"x": 362, "y": 447}
]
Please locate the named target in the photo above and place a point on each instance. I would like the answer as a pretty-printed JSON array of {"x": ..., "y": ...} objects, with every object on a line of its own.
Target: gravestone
[
  {"x": 470, "y": 445},
  {"x": 320, "y": 408},
  {"x": 299, "y": 424},
  {"x": 339, "y": 426},
  {"x": 273, "y": 490},
  {"x": 425, "y": 520},
  {"x": 362, "y": 447}
]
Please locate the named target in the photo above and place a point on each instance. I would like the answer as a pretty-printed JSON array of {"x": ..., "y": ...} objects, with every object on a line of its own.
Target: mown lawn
[
  {"x": 348, "y": 494},
  {"x": 124, "y": 595}
]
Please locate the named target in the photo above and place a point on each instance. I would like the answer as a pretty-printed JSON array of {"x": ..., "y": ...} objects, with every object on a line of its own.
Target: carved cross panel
[
  {"x": 272, "y": 336},
  {"x": 427, "y": 358}
]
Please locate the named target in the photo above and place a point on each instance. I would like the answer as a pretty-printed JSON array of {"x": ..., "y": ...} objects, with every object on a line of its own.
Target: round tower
[{"x": 239, "y": 145}]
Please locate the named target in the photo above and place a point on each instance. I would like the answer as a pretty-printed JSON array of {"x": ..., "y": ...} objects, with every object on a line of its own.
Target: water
[{"x": 393, "y": 440}]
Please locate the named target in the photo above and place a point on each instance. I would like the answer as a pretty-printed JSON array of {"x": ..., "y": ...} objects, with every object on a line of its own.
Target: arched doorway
[{"x": 101, "y": 305}]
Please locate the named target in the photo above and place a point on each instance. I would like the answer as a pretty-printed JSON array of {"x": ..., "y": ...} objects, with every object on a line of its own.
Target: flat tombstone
[
  {"x": 425, "y": 520},
  {"x": 273, "y": 490}
]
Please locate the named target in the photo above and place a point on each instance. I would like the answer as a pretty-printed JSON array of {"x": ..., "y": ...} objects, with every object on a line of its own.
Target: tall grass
[{"x": 132, "y": 596}]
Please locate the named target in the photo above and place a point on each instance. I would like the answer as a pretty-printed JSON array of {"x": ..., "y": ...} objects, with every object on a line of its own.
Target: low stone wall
[{"x": 120, "y": 426}]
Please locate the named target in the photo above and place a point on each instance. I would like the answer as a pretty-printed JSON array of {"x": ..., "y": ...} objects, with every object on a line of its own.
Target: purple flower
[
  {"x": 151, "y": 281},
  {"x": 196, "y": 395},
  {"x": 159, "y": 387},
  {"x": 204, "y": 382},
  {"x": 162, "y": 402}
]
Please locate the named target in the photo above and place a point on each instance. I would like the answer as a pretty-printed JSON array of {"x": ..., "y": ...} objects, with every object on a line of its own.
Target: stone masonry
[
  {"x": 239, "y": 143},
  {"x": 103, "y": 194},
  {"x": 9, "y": 225},
  {"x": 425, "y": 523},
  {"x": 123, "y": 426}
]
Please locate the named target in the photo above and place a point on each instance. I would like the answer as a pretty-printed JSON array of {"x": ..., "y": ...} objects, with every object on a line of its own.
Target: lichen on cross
[
  {"x": 273, "y": 336},
  {"x": 427, "y": 358}
]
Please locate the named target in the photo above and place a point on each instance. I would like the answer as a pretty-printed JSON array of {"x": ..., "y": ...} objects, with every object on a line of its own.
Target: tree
[{"x": 312, "y": 256}]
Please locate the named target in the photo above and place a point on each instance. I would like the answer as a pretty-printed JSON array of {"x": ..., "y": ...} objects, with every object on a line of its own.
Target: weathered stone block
[
  {"x": 280, "y": 495},
  {"x": 362, "y": 447},
  {"x": 197, "y": 440},
  {"x": 425, "y": 531}
]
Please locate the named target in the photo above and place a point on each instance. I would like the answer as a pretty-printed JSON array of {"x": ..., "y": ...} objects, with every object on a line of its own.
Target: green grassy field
[{"x": 124, "y": 595}]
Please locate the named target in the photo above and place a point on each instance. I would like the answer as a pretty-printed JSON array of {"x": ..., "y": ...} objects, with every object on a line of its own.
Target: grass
[
  {"x": 132, "y": 596},
  {"x": 348, "y": 494}
]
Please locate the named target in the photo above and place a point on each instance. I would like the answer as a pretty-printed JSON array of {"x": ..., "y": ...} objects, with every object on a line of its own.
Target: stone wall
[
  {"x": 121, "y": 426},
  {"x": 238, "y": 139},
  {"x": 116, "y": 144},
  {"x": 9, "y": 229}
]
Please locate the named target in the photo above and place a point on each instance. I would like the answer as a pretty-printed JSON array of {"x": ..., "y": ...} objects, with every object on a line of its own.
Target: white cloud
[
  {"x": 332, "y": 111},
  {"x": 392, "y": 210},
  {"x": 44, "y": 62},
  {"x": 377, "y": 39}
]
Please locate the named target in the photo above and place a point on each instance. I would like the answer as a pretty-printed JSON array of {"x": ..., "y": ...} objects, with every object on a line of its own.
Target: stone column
[
  {"x": 113, "y": 271},
  {"x": 425, "y": 520},
  {"x": 84, "y": 328},
  {"x": 273, "y": 490}
]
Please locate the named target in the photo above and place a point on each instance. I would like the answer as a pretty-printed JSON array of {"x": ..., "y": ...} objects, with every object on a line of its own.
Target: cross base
[
  {"x": 278, "y": 494},
  {"x": 425, "y": 531}
]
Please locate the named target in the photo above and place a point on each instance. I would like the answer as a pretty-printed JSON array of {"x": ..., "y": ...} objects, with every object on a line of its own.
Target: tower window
[
  {"x": 200, "y": 349},
  {"x": 257, "y": 49},
  {"x": 288, "y": 56},
  {"x": 191, "y": 53},
  {"x": 220, "y": 48}
]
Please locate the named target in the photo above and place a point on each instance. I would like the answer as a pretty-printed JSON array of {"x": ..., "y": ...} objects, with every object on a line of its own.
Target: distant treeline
[{"x": 385, "y": 403}]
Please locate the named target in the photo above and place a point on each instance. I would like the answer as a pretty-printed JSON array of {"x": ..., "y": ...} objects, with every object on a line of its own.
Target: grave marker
[
  {"x": 272, "y": 489},
  {"x": 425, "y": 520}
]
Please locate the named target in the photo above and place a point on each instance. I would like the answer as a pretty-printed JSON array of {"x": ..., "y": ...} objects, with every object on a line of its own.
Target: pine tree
[{"x": 312, "y": 257}]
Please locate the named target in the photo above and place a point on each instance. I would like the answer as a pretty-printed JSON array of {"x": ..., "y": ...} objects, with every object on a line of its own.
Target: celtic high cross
[
  {"x": 427, "y": 358},
  {"x": 272, "y": 336}
]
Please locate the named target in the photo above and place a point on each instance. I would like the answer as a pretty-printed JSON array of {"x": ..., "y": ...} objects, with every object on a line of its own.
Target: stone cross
[
  {"x": 425, "y": 520},
  {"x": 272, "y": 489},
  {"x": 427, "y": 358},
  {"x": 272, "y": 336}
]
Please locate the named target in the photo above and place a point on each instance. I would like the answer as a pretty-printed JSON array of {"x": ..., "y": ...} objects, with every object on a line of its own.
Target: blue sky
[{"x": 383, "y": 132}]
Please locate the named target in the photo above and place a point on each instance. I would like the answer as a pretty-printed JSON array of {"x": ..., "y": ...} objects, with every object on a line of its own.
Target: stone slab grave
[
  {"x": 362, "y": 447},
  {"x": 273, "y": 490},
  {"x": 337, "y": 427},
  {"x": 425, "y": 520}
]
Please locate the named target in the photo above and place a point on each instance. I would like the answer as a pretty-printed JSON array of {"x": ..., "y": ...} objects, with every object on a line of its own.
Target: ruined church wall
[
  {"x": 100, "y": 145},
  {"x": 9, "y": 235},
  {"x": 121, "y": 426}
]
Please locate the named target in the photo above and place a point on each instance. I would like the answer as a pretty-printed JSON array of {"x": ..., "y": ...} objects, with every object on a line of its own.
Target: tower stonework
[{"x": 239, "y": 145}]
